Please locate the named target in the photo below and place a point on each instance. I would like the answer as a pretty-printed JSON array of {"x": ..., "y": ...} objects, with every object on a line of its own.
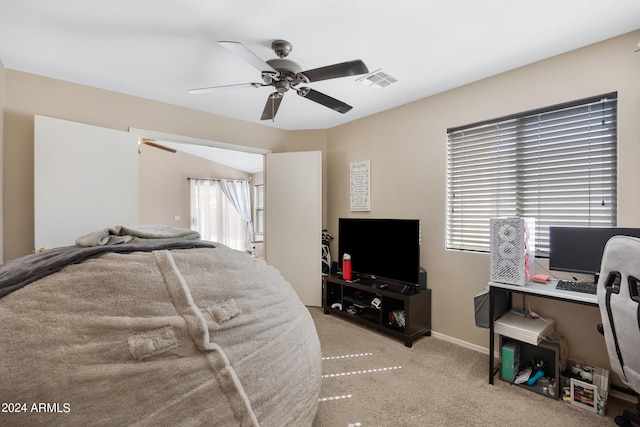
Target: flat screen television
[
  {"x": 384, "y": 248},
  {"x": 580, "y": 249}
]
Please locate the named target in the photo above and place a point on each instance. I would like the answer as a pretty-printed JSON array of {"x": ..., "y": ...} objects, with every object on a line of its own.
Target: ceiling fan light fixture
[{"x": 281, "y": 86}]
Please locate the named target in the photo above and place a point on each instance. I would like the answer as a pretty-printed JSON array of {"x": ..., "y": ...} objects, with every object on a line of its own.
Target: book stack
[
  {"x": 396, "y": 317},
  {"x": 527, "y": 329}
]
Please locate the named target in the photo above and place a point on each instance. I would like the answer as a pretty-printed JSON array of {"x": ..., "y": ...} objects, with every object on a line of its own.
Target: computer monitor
[{"x": 579, "y": 249}]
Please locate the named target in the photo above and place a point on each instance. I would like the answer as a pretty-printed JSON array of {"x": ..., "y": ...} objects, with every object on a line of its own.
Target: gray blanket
[
  {"x": 167, "y": 337},
  {"x": 136, "y": 234},
  {"x": 21, "y": 271}
]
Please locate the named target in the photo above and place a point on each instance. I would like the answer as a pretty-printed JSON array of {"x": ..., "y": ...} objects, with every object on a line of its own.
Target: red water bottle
[{"x": 346, "y": 266}]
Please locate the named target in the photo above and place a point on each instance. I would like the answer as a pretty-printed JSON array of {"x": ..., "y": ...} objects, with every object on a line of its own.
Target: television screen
[
  {"x": 579, "y": 249},
  {"x": 385, "y": 248}
]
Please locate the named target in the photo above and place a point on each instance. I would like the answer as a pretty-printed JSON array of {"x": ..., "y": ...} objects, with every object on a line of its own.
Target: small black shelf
[
  {"x": 339, "y": 295},
  {"x": 550, "y": 353},
  {"x": 358, "y": 302}
]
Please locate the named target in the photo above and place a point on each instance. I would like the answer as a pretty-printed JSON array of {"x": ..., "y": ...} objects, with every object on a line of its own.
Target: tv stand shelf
[{"x": 353, "y": 300}]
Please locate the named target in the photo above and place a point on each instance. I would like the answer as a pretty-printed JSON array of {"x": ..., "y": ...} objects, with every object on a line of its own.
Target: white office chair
[{"x": 619, "y": 301}]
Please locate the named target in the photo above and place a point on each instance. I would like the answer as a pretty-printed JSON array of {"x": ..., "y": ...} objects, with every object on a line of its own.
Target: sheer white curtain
[
  {"x": 238, "y": 193},
  {"x": 214, "y": 216}
]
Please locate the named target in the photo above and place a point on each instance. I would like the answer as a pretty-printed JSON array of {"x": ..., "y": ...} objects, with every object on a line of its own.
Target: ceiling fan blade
[
  {"x": 325, "y": 100},
  {"x": 151, "y": 143},
  {"x": 344, "y": 69},
  {"x": 213, "y": 88},
  {"x": 271, "y": 107},
  {"x": 248, "y": 56}
]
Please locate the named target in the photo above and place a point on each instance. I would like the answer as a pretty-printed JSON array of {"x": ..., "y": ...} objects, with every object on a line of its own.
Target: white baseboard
[{"x": 462, "y": 343}]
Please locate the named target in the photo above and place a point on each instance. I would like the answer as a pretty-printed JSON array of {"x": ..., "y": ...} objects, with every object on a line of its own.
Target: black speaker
[
  {"x": 422, "y": 279},
  {"x": 334, "y": 268}
]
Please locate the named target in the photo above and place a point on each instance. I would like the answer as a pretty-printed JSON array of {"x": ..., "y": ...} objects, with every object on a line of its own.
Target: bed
[{"x": 148, "y": 326}]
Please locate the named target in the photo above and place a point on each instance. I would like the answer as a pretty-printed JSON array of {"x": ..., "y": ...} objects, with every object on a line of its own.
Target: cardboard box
[{"x": 510, "y": 360}]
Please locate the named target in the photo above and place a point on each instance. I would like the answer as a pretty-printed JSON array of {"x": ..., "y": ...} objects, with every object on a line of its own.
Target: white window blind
[
  {"x": 259, "y": 208},
  {"x": 557, "y": 165}
]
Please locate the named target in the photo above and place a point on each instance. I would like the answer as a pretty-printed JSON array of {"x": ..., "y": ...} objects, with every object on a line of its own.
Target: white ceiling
[
  {"x": 158, "y": 49},
  {"x": 246, "y": 162},
  {"x": 244, "y": 158}
]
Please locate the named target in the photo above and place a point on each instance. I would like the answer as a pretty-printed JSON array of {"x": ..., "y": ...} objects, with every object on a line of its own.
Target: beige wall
[
  {"x": 407, "y": 149},
  {"x": 164, "y": 187},
  {"x": 27, "y": 95},
  {"x": 2, "y": 91}
]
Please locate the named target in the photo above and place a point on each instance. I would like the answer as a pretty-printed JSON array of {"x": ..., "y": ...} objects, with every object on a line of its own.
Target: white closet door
[
  {"x": 293, "y": 220},
  {"x": 85, "y": 179}
]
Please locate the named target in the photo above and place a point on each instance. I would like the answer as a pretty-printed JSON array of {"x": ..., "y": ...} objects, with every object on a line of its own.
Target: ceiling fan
[{"x": 283, "y": 74}]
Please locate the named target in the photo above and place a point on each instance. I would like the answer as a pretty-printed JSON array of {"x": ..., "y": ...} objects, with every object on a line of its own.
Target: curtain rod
[{"x": 219, "y": 179}]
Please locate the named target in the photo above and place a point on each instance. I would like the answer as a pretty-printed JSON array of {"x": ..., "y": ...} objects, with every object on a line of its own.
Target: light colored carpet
[{"x": 370, "y": 379}]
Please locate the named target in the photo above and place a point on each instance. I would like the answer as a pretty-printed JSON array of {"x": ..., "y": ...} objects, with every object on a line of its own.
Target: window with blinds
[
  {"x": 258, "y": 213},
  {"x": 557, "y": 165}
]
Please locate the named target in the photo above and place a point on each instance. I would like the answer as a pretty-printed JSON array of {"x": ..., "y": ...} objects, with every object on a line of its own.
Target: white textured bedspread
[{"x": 166, "y": 338}]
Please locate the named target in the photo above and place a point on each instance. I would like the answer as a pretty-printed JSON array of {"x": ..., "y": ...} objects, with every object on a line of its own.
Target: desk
[{"x": 542, "y": 290}]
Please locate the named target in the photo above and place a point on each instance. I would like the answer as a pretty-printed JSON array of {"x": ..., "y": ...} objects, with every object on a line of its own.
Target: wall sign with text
[{"x": 360, "y": 186}]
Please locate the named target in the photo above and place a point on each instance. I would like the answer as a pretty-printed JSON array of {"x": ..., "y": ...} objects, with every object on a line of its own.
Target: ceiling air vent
[{"x": 377, "y": 79}]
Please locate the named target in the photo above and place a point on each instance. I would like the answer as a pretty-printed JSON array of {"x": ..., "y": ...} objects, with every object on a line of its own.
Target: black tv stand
[{"x": 354, "y": 300}]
